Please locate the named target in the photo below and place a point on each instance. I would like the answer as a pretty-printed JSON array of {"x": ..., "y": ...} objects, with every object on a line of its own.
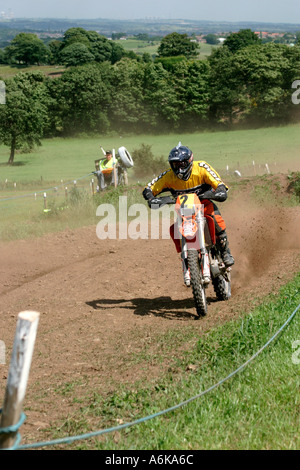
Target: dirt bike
[{"x": 199, "y": 249}]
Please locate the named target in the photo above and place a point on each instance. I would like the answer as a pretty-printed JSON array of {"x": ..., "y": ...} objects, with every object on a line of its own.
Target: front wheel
[{"x": 196, "y": 282}]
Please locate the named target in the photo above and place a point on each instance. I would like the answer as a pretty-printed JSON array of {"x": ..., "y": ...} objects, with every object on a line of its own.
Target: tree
[
  {"x": 225, "y": 86},
  {"x": 73, "y": 35},
  {"x": 191, "y": 84},
  {"x": 55, "y": 47},
  {"x": 176, "y": 44},
  {"x": 25, "y": 116},
  {"x": 81, "y": 99},
  {"x": 76, "y": 54},
  {"x": 244, "y": 38},
  {"x": 262, "y": 69},
  {"x": 160, "y": 99},
  {"x": 212, "y": 39},
  {"x": 127, "y": 110},
  {"x": 99, "y": 46},
  {"x": 27, "y": 48},
  {"x": 91, "y": 44},
  {"x": 117, "y": 52},
  {"x": 252, "y": 83},
  {"x": 170, "y": 63}
]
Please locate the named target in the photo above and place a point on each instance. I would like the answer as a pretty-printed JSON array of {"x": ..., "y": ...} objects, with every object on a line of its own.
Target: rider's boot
[
  {"x": 186, "y": 273},
  {"x": 227, "y": 257}
]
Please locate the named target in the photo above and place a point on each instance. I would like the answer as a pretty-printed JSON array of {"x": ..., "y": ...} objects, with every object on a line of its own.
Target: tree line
[{"x": 242, "y": 82}]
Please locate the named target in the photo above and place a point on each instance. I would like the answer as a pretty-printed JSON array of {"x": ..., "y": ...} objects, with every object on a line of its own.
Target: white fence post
[{"x": 18, "y": 375}]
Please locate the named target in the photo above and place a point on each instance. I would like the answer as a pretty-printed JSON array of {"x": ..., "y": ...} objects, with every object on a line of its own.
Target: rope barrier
[
  {"x": 44, "y": 190},
  {"x": 12, "y": 429},
  {"x": 71, "y": 439}
]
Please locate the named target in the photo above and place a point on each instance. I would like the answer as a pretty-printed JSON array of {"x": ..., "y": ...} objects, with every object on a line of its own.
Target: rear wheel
[{"x": 196, "y": 283}]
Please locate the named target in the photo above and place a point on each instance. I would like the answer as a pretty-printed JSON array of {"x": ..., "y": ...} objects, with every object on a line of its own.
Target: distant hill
[{"x": 150, "y": 26}]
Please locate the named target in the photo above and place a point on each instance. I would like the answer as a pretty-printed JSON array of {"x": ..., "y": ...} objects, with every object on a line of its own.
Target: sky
[{"x": 270, "y": 11}]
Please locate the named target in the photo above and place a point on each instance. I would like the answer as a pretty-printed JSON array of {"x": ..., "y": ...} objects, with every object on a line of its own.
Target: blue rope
[
  {"x": 13, "y": 429},
  {"x": 71, "y": 439},
  {"x": 43, "y": 190}
]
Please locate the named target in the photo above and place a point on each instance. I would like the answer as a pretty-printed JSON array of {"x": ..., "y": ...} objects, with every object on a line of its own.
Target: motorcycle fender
[{"x": 214, "y": 268}]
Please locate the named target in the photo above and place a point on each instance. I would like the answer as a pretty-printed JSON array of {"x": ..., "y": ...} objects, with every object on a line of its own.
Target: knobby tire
[{"x": 196, "y": 283}]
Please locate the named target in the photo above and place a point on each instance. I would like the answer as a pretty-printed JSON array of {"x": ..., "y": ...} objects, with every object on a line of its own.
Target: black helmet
[{"x": 181, "y": 161}]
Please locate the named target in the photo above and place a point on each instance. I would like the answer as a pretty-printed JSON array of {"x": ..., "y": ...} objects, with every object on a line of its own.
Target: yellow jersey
[{"x": 203, "y": 177}]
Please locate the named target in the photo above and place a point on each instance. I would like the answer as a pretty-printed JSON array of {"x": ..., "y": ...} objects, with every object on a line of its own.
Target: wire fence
[
  {"x": 55, "y": 189},
  {"x": 237, "y": 171}
]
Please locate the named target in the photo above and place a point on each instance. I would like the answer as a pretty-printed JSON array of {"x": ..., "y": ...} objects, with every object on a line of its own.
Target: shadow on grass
[{"x": 19, "y": 163}]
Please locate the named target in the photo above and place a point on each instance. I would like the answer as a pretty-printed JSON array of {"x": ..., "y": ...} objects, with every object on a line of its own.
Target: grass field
[
  {"x": 139, "y": 47},
  {"x": 69, "y": 159},
  {"x": 59, "y": 162},
  {"x": 7, "y": 71}
]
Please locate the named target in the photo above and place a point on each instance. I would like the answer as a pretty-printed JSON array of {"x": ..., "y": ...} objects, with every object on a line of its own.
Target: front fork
[
  {"x": 200, "y": 245},
  {"x": 204, "y": 254}
]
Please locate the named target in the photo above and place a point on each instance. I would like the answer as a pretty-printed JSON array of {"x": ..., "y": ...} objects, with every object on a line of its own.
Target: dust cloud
[{"x": 257, "y": 235}]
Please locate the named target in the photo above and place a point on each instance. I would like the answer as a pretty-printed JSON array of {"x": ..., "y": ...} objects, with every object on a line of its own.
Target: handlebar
[{"x": 158, "y": 202}]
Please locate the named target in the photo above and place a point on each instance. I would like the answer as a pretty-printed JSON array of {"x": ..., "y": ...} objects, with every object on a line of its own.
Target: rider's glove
[
  {"x": 220, "y": 194},
  {"x": 155, "y": 201},
  {"x": 206, "y": 195},
  {"x": 148, "y": 194}
]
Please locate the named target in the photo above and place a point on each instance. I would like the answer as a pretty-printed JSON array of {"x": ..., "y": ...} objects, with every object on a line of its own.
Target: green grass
[
  {"x": 139, "y": 47},
  {"x": 257, "y": 409},
  {"x": 72, "y": 158},
  {"x": 8, "y": 71},
  {"x": 26, "y": 217},
  {"x": 59, "y": 162}
]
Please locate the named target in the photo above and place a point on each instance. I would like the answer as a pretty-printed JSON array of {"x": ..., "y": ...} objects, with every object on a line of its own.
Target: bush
[
  {"x": 145, "y": 163},
  {"x": 294, "y": 185}
]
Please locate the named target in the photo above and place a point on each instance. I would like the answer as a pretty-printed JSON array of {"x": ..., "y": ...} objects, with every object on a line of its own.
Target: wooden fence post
[
  {"x": 115, "y": 168},
  {"x": 18, "y": 375}
]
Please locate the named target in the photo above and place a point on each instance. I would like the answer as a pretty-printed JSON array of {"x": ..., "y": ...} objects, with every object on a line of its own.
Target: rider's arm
[
  {"x": 218, "y": 189},
  {"x": 157, "y": 186}
]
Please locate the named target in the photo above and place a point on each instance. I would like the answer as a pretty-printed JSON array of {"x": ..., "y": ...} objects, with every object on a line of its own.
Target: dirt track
[{"x": 100, "y": 301}]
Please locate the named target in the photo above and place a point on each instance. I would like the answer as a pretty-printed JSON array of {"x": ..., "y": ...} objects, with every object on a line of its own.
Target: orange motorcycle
[{"x": 199, "y": 249}]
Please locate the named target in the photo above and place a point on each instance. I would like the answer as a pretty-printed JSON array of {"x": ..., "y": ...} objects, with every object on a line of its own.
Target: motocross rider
[{"x": 187, "y": 175}]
